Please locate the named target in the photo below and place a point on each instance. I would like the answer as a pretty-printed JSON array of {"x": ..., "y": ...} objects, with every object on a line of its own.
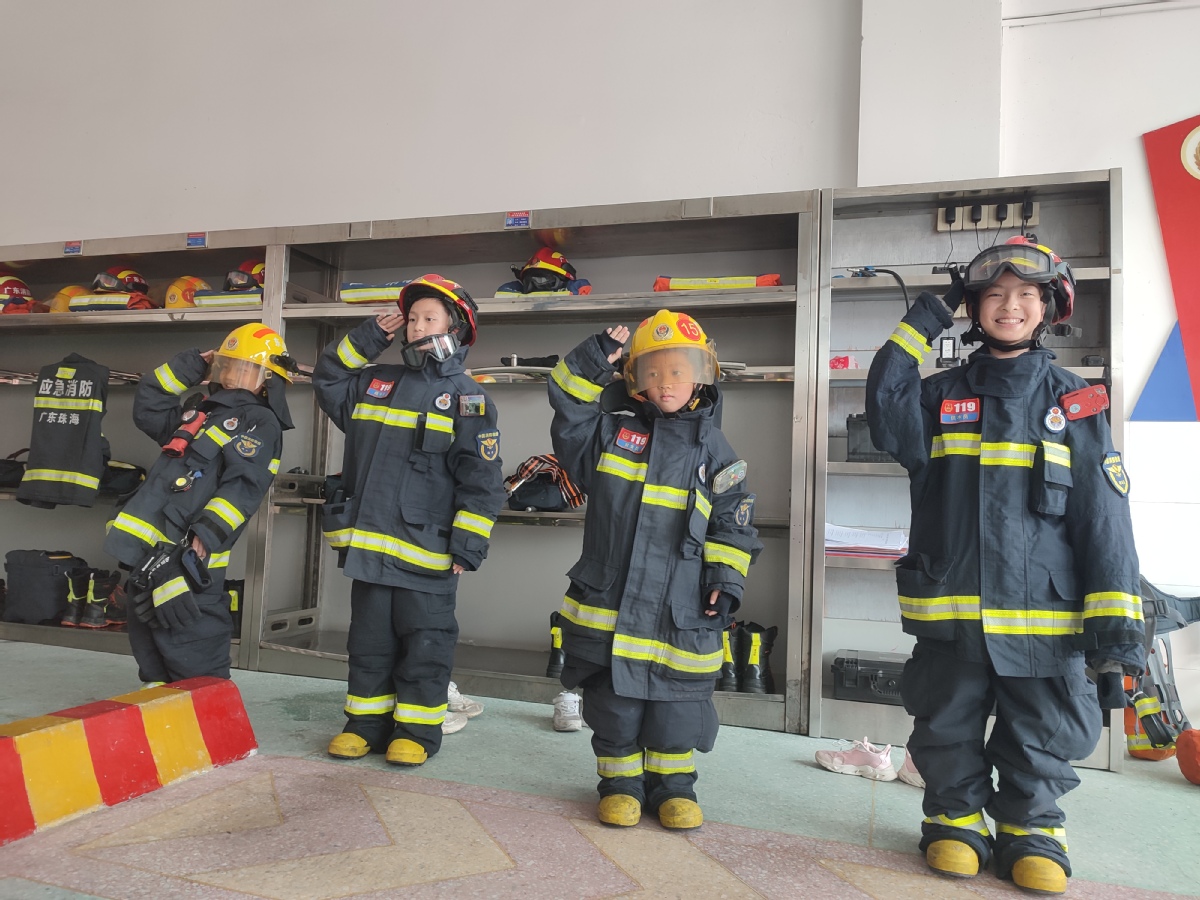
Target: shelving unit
[{"x": 893, "y": 227}]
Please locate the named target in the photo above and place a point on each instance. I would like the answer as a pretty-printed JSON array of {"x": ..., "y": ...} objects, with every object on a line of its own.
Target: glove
[
  {"x": 608, "y": 344},
  {"x": 1110, "y": 690},
  {"x": 171, "y": 574},
  {"x": 953, "y": 297},
  {"x": 725, "y": 605}
]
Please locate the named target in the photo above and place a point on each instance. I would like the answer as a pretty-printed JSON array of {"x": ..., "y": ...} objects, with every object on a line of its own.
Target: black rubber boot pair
[
  {"x": 88, "y": 593},
  {"x": 747, "y": 658}
]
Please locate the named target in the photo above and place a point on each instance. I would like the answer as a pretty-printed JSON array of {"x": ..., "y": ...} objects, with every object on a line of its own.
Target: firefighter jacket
[
  {"x": 657, "y": 539},
  {"x": 1021, "y": 549},
  {"x": 67, "y": 451},
  {"x": 224, "y": 471},
  {"x": 422, "y": 482}
]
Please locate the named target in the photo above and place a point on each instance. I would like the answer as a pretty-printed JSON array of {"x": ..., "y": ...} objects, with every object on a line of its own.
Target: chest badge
[
  {"x": 442, "y": 402},
  {"x": 230, "y": 424},
  {"x": 1114, "y": 471},
  {"x": 1055, "y": 420},
  {"x": 965, "y": 410},
  {"x": 380, "y": 388},
  {"x": 633, "y": 441},
  {"x": 247, "y": 446},
  {"x": 732, "y": 474},
  {"x": 701, "y": 472}
]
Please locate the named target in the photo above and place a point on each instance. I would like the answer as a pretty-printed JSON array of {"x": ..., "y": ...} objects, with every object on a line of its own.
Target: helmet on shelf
[
  {"x": 14, "y": 289},
  {"x": 1029, "y": 261},
  {"x": 546, "y": 270},
  {"x": 692, "y": 356},
  {"x": 246, "y": 277},
  {"x": 119, "y": 279},
  {"x": 182, "y": 291},
  {"x": 249, "y": 356},
  {"x": 461, "y": 308},
  {"x": 61, "y": 302}
]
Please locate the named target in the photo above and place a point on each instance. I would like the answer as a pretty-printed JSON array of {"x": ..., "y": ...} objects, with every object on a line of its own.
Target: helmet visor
[
  {"x": 237, "y": 280},
  {"x": 674, "y": 366},
  {"x": 538, "y": 280},
  {"x": 233, "y": 373},
  {"x": 438, "y": 346},
  {"x": 1027, "y": 262},
  {"x": 106, "y": 281}
]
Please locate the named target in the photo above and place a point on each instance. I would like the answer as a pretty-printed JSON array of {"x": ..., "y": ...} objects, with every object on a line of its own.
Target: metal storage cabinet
[
  {"x": 504, "y": 609},
  {"x": 1079, "y": 215}
]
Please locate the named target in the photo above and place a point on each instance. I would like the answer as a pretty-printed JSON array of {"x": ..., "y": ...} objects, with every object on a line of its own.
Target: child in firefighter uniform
[
  {"x": 422, "y": 485},
  {"x": 668, "y": 539},
  {"x": 219, "y": 458},
  {"x": 1021, "y": 565}
]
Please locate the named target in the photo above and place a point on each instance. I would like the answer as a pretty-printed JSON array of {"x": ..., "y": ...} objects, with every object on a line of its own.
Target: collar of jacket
[
  {"x": 441, "y": 368},
  {"x": 275, "y": 400},
  {"x": 1016, "y": 376},
  {"x": 615, "y": 399}
]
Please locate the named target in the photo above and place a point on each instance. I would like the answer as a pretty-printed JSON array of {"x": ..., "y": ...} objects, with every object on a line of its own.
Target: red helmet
[
  {"x": 546, "y": 270},
  {"x": 1029, "y": 261},
  {"x": 13, "y": 288},
  {"x": 246, "y": 277},
  {"x": 461, "y": 306},
  {"x": 118, "y": 279}
]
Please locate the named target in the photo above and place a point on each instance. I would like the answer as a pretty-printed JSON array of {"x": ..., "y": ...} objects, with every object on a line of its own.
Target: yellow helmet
[
  {"x": 693, "y": 358},
  {"x": 182, "y": 291},
  {"x": 251, "y": 352},
  {"x": 61, "y": 302}
]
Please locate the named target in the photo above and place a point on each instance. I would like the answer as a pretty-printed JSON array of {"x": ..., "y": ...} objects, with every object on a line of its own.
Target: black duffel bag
[
  {"x": 37, "y": 584},
  {"x": 12, "y": 470},
  {"x": 539, "y": 493}
]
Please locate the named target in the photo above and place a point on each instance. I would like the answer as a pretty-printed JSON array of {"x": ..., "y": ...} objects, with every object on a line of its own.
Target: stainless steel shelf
[
  {"x": 890, "y": 470},
  {"x": 47, "y": 322},
  {"x": 847, "y": 377},
  {"x": 98, "y": 639},
  {"x": 588, "y": 306},
  {"x": 859, "y": 562}
]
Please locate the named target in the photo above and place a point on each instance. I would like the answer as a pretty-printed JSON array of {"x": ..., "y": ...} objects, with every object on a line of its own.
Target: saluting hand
[
  {"x": 620, "y": 334},
  {"x": 391, "y": 323}
]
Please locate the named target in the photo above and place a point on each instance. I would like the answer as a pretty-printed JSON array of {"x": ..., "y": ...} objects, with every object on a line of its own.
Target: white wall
[
  {"x": 232, "y": 114},
  {"x": 929, "y": 106},
  {"x": 1077, "y": 95}
]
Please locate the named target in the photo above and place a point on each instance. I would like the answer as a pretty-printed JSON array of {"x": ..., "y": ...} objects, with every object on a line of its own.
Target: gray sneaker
[
  {"x": 456, "y": 702},
  {"x": 566, "y": 712},
  {"x": 455, "y": 721}
]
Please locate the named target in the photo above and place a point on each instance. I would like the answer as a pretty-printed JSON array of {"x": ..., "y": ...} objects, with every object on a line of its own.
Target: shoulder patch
[
  {"x": 488, "y": 443},
  {"x": 247, "y": 446},
  {"x": 1114, "y": 471},
  {"x": 1085, "y": 402},
  {"x": 744, "y": 514}
]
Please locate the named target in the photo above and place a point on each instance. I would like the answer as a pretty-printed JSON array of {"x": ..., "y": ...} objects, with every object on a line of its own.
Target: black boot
[
  {"x": 558, "y": 656},
  {"x": 102, "y": 585},
  {"x": 78, "y": 581},
  {"x": 733, "y": 659},
  {"x": 756, "y": 675}
]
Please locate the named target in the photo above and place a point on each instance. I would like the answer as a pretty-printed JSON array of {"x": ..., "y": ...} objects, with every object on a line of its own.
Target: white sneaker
[
  {"x": 908, "y": 772},
  {"x": 456, "y": 702},
  {"x": 862, "y": 758},
  {"x": 455, "y": 721},
  {"x": 566, "y": 712}
]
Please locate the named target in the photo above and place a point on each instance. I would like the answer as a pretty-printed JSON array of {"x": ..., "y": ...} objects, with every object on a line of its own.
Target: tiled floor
[{"x": 507, "y": 810}]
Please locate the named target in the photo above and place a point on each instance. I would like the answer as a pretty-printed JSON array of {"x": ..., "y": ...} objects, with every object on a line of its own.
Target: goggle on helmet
[
  {"x": 1031, "y": 262},
  {"x": 546, "y": 270},
  {"x": 246, "y": 277},
  {"x": 118, "y": 279}
]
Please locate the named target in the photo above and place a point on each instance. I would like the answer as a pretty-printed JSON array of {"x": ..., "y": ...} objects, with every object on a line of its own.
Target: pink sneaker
[
  {"x": 863, "y": 758},
  {"x": 908, "y": 772}
]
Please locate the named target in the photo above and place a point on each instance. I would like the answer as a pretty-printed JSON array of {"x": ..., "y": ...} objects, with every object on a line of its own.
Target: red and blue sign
[{"x": 955, "y": 411}]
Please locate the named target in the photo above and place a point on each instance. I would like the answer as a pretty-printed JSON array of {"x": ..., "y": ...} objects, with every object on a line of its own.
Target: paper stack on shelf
[{"x": 874, "y": 543}]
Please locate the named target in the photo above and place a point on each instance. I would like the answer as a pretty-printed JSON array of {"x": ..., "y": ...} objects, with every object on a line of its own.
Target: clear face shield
[
  {"x": 436, "y": 346},
  {"x": 232, "y": 373},
  {"x": 673, "y": 366}
]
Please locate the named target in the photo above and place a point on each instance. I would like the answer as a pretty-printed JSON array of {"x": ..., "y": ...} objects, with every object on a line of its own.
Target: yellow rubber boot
[
  {"x": 955, "y": 858},
  {"x": 403, "y": 752},
  {"x": 619, "y": 809},
  {"x": 349, "y": 746},
  {"x": 1040, "y": 875},
  {"x": 680, "y": 814}
]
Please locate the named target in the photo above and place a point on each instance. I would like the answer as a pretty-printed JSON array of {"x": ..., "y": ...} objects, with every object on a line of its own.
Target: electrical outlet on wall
[{"x": 991, "y": 217}]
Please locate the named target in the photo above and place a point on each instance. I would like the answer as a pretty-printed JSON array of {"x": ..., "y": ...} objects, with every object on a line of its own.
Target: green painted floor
[{"x": 1138, "y": 828}]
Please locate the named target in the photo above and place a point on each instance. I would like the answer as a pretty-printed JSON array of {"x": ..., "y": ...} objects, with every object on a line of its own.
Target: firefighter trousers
[
  {"x": 644, "y": 748},
  {"x": 1041, "y": 725},
  {"x": 202, "y": 648},
  {"x": 401, "y": 654}
]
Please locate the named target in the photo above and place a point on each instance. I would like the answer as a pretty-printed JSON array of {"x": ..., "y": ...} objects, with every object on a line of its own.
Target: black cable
[{"x": 899, "y": 280}]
